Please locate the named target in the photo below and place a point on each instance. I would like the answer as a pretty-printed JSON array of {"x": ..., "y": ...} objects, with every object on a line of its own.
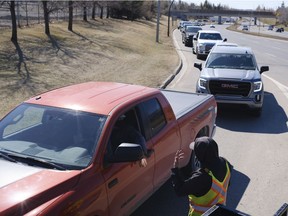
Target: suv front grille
[
  {"x": 208, "y": 47},
  {"x": 229, "y": 88}
]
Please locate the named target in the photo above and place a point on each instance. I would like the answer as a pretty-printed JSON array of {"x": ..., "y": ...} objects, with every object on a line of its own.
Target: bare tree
[
  {"x": 48, "y": 8},
  {"x": 11, "y": 6},
  {"x": 93, "y": 10},
  {"x": 46, "y": 17},
  {"x": 26, "y": 11},
  {"x": 14, "y": 37},
  {"x": 282, "y": 14},
  {"x": 101, "y": 9},
  {"x": 107, "y": 10},
  {"x": 70, "y": 21},
  {"x": 85, "y": 12}
]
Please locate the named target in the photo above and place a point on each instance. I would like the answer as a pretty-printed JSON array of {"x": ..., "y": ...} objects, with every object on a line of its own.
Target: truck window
[
  {"x": 127, "y": 129},
  {"x": 155, "y": 115}
]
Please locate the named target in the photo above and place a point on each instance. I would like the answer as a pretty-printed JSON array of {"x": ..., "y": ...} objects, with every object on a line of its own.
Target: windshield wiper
[
  {"x": 7, "y": 157},
  {"x": 44, "y": 162},
  {"x": 247, "y": 67},
  {"x": 31, "y": 160},
  {"x": 217, "y": 66}
]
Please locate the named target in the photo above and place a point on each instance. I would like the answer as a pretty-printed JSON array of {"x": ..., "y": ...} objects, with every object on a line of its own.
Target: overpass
[{"x": 220, "y": 13}]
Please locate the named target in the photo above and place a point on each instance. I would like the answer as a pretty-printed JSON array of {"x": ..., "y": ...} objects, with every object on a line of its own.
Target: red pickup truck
[{"x": 55, "y": 148}]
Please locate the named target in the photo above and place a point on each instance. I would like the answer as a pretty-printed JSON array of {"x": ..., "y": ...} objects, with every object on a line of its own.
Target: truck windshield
[
  {"x": 230, "y": 60},
  {"x": 60, "y": 136}
]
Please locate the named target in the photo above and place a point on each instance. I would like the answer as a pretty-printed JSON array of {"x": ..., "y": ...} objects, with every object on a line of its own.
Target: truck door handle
[{"x": 112, "y": 183}]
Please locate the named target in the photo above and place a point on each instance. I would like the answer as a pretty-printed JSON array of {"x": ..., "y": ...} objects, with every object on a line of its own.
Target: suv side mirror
[
  {"x": 225, "y": 39},
  {"x": 264, "y": 68},
  {"x": 198, "y": 65}
]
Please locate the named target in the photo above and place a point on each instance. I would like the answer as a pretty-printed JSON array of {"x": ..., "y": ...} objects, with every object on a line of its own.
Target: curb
[{"x": 176, "y": 71}]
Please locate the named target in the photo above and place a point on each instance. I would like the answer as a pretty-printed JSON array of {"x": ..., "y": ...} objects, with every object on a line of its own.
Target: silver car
[{"x": 232, "y": 75}]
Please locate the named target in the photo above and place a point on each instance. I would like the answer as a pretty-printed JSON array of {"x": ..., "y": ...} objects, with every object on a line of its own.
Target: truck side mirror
[
  {"x": 225, "y": 39},
  {"x": 264, "y": 68},
  {"x": 127, "y": 152},
  {"x": 198, "y": 65}
]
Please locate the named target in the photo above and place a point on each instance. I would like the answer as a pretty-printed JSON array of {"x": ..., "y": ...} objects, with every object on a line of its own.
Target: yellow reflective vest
[{"x": 216, "y": 195}]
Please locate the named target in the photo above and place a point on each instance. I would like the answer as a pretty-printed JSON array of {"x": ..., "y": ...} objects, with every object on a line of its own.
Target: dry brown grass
[{"x": 99, "y": 50}]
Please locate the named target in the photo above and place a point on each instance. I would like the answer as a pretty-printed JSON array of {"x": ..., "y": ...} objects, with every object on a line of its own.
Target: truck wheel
[
  {"x": 192, "y": 166},
  {"x": 194, "y": 162}
]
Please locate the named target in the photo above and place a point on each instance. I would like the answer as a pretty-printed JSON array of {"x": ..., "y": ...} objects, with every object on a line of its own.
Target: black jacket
[{"x": 200, "y": 182}]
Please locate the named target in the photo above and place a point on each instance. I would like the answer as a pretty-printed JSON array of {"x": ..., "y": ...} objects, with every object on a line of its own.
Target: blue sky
[{"x": 244, "y": 4}]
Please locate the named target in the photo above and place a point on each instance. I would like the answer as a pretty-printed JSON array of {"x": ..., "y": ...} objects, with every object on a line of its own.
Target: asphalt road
[{"x": 257, "y": 147}]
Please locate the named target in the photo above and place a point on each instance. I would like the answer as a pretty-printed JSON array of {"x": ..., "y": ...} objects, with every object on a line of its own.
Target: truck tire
[
  {"x": 194, "y": 163},
  {"x": 192, "y": 166}
]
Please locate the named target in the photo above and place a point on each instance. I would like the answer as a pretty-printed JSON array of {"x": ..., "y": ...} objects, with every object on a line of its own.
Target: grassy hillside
[{"x": 98, "y": 50}]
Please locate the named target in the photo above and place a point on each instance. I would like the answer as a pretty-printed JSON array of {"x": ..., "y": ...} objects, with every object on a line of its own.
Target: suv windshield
[
  {"x": 64, "y": 137},
  {"x": 193, "y": 29},
  {"x": 229, "y": 60},
  {"x": 210, "y": 36}
]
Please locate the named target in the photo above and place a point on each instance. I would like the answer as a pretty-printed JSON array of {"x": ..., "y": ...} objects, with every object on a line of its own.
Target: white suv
[{"x": 204, "y": 40}]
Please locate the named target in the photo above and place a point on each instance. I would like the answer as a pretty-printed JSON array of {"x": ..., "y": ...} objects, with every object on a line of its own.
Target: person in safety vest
[{"x": 206, "y": 186}]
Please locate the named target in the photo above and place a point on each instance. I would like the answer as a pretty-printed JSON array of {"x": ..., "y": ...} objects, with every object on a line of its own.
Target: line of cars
[
  {"x": 230, "y": 72},
  {"x": 271, "y": 28}
]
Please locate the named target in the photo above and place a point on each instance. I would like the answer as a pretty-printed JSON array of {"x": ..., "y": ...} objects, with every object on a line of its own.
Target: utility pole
[
  {"x": 158, "y": 21},
  {"x": 168, "y": 31}
]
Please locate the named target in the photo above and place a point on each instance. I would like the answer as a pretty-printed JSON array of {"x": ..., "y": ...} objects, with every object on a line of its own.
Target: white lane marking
[
  {"x": 283, "y": 88},
  {"x": 271, "y": 55}
]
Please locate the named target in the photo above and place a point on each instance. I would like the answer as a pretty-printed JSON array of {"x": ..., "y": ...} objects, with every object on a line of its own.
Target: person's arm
[
  {"x": 139, "y": 139},
  {"x": 197, "y": 184}
]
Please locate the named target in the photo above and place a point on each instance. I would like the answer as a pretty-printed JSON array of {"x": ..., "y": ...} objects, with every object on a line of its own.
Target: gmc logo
[{"x": 234, "y": 86}]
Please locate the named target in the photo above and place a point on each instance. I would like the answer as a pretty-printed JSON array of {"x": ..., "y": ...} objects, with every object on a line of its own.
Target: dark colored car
[
  {"x": 270, "y": 27},
  {"x": 188, "y": 34},
  {"x": 280, "y": 30},
  {"x": 183, "y": 24}
]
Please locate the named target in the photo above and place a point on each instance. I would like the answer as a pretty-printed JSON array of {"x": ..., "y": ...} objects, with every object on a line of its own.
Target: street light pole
[{"x": 168, "y": 31}]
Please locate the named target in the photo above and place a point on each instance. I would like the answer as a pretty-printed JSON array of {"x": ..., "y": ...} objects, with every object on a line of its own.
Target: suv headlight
[
  {"x": 201, "y": 47},
  {"x": 202, "y": 83},
  {"x": 258, "y": 86}
]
